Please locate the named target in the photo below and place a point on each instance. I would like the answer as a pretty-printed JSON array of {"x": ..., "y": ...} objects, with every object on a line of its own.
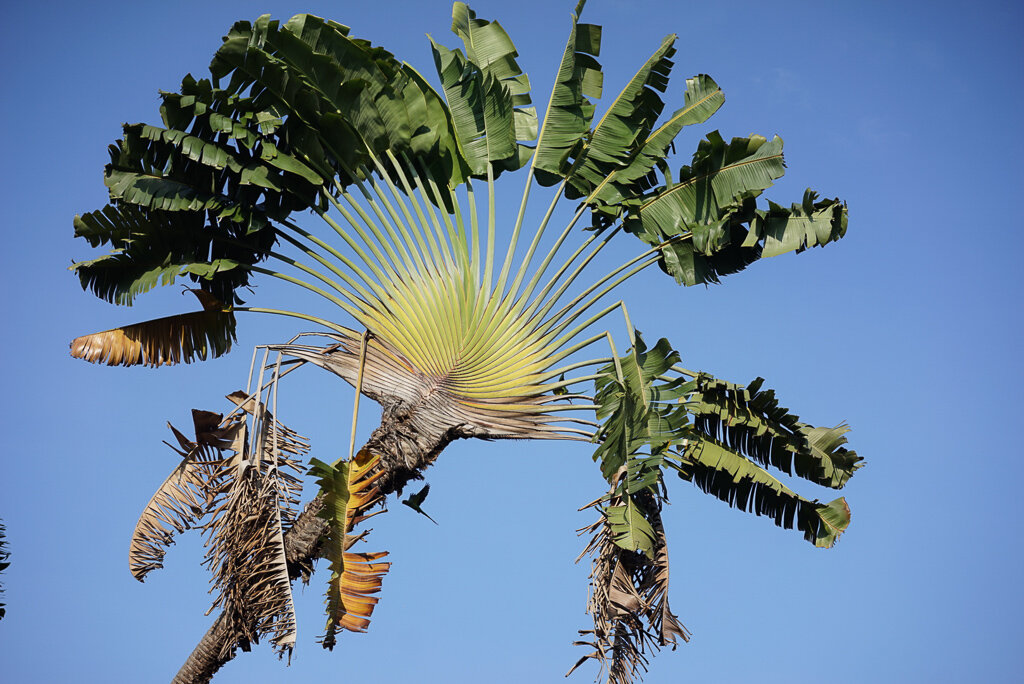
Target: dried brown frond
[
  {"x": 184, "y": 497},
  {"x": 361, "y": 577},
  {"x": 628, "y": 596},
  {"x": 163, "y": 341},
  {"x": 282, "y": 446},
  {"x": 255, "y": 497}
]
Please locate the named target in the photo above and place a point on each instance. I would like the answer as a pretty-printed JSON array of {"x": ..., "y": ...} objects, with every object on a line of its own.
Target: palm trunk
[{"x": 408, "y": 440}]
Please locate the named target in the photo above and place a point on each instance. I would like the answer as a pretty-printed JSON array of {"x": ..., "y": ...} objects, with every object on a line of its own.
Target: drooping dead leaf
[
  {"x": 184, "y": 497},
  {"x": 628, "y": 596},
  {"x": 255, "y": 496},
  {"x": 161, "y": 342}
]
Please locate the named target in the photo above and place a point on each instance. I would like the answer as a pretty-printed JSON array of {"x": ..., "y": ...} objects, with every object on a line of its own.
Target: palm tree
[{"x": 456, "y": 326}]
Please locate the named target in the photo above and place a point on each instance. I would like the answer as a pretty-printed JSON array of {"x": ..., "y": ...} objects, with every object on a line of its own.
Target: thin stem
[
  {"x": 682, "y": 371},
  {"x": 257, "y": 411},
  {"x": 294, "y": 314},
  {"x": 582, "y": 326},
  {"x": 380, "y": 263},
  {"x": 393, "y": 257},
  {"x": 474, "y": 228},
  {"x": 408, "y": 227},
  {"x": 514, "y": 240},
  {"x": 542, "y": 300},
  {"x": 362, "y": 291},
  {"x": 576, "y": 311},
  {"x": 571, "y": 381},
  {"x": 456, "y": 233},
  {"x": 348, "y": 308},
  {"x": 575, "y": 348},
  {"x": 395, "y": 241},
  {"x": 430, "y": 229},
  {"x": 580, "y": 364},
  {"x": 439, "y": 236},
  {"x": 553, "y": 251},
  {"x": 489, "y": 265},
  {"x": 359, "y": 389}
]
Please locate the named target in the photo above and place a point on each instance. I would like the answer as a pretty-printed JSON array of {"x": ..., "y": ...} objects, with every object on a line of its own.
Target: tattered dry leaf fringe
[
  {"x": 305, "y": 540},
  {"x": 255, "y": 499},
  {"x": 247, "y": 491},
  {"x": 628, "y": 596},
  {"x": 183, "y": 498}
]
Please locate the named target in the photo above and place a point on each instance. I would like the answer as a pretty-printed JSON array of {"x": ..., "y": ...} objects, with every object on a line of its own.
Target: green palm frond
[
  {"x": 706, "y": 224},
  {"x": 744, "y": 485},
  {"x": 487, "y": 93},
  {"x": 750, "y": 421},
  {"x": 718, "y": 435},
  {"x": 570, "y": 111}
]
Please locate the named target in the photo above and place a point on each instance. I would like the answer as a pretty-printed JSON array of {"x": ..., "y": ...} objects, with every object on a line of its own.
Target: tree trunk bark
[{"x": 407, "y": 441}]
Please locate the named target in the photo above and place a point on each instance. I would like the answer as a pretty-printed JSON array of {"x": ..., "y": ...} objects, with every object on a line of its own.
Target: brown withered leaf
[{"x": 182, "y": 338}]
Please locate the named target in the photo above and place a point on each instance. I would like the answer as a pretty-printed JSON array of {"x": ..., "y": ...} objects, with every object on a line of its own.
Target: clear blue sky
[{"x": 909, "y": 329}]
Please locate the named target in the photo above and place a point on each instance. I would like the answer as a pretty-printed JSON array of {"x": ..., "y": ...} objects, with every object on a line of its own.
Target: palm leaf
[
  {"x": 744, "y": 485},
  {"x": 569, "y": 113},
  {"x": 197, "y": 197},
  {"x": 154, "y": 248},
  {"x": 162, "y": 341},
  {"x": 349, "y": 490},
  {"x": 630, "y": 529},
  {"x": 808, "y": 224},
  {"x": 702, "y": 98},
  {"x": 628, "y": 588},
  {"x": 254, "y": 498},
  {"x": 750, "y": 421},
  {"x": 489, "y": 47},
  {"x": 481, "y": 108},
  {"x": 312, "y": 68},
  {"x": 629, "y": 119},
  {"x": 721, "y": 174},
  {"x": 642, "y": 417},
  {"x": 4, "y": 564},
  {"x": 647, "y": 416},
  {"x": 182, "y": 500},
  {"x": 637, "y": 412},
  {"x": 703, "y": 223}
]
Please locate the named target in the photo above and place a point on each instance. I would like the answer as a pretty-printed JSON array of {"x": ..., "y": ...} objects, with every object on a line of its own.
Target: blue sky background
[{"x": 909, "y": 329}]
